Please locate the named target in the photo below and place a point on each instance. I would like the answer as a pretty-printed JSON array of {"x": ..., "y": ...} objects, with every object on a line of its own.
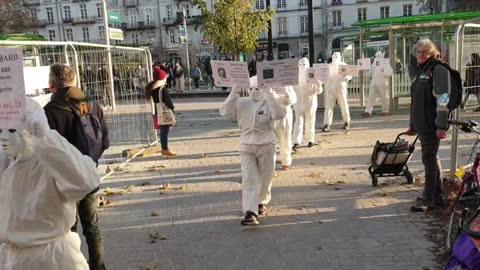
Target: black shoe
[
  {"x": 420, "y": 208},
  {"x": 326, "y": 128},
  {"x": 262, "y": 209},
  {"x": 346, "y": 125},
  {"x": 311, "y": 144},
  {"x": 296, "y": 147},
  {"x": 250, "y": 219}
]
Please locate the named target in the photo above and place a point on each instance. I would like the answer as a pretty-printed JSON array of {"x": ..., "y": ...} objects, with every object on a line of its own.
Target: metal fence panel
[{"x": 127, "y": 112}]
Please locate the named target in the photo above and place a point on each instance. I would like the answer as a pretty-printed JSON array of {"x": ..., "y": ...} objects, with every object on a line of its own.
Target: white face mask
[
  {"x": 336, "y": 58},
  {"x": 11, "y": 142},
  {"x": 257, "y": 94}
]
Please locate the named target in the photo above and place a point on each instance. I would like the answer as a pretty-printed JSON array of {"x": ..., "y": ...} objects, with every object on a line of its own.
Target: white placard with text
[
  {"x": 364, "y": 63},
  {"x": 321, "y": 71},
  {"x": 348, "y": 70},
  {"x": 12, "y": 89},
  {"x": 277, "y": 73},
  {"x": 230, "y": 73}
]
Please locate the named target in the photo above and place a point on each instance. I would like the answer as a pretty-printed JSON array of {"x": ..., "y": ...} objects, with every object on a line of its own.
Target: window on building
[
  {"x": 337, "y": 18},
  {"x": 101, "y": 33},
  {"x": 303, "y": 3},
  {"x": 148, "y": 16},
  {"x": 187, "y": 10},
  {"x": 83, "y": 11},
  {"x": 51, "y": 35},
  {"x": 69, "y": 34},
  {"x": 281, "y": 3},
  {"x": 169, "y": 12},
  {"x": 86, "y": 34},
  {"x": 303, "y": 24},
  {"x": 171, "y": 35},
  {"x": 50, "y": 14},
  {"x": 384, "y": 12},
  {"x": 66, "y": 12},
  {"x": 407, "y": 10},
  {"x": 260, "y": 4},
  {"x": 132, "y": 17},
  {"x": 362, "y": 14},
  {"x": 100, "y": 10},
  {"x": 114, "y": 2},
  {"x": 134, "y": 38},
  {"x": 282, "y": 25}
]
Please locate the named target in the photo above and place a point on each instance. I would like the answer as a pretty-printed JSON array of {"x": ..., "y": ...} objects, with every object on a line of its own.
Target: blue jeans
[{"x": 164, "y": 136}]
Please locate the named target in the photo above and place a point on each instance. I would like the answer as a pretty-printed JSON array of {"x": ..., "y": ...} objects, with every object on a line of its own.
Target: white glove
[{"x": 38, "y": 124}]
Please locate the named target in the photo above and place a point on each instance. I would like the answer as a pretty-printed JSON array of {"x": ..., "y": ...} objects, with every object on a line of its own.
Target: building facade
[{"x": 333, "y": 22}]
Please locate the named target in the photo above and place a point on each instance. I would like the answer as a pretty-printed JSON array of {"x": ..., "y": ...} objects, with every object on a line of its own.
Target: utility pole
[
  {"x": 109, "y": 55},
  {"x": 311, "y": 51},
  {"x": 186, "y": 48},
  {"x": 270, "y": 38}
]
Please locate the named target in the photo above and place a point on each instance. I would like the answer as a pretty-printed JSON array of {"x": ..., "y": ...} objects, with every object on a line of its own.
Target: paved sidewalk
[{"x": 324, "y": 213}]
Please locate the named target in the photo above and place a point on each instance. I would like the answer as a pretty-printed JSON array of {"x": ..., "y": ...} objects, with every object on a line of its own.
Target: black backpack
[
  {"x": 88, "y": 130},
  {"x": 456, "y": 85}
]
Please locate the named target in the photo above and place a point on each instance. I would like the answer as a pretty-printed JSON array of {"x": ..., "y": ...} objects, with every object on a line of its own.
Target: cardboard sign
[
  {"x": 12, "y": 89},
  {"x": 381, "y": 63},
  {"x": 348, "y": 70},
  {"x": 277, "y": 73},
  {"x": 230, "y": 73},
  {"x": 321, "y": 71},
  {"x": 311, "y": 75},
  {"x": 364, "y": 63}
]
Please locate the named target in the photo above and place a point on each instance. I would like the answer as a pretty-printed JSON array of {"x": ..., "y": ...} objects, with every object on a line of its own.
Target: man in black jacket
[
  {"x": 62, "y": 84},
  {"x": 429, "y": 118}
]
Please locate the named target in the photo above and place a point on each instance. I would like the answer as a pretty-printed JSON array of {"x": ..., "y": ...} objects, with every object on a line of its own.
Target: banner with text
[{"x": 12, "y": 89}]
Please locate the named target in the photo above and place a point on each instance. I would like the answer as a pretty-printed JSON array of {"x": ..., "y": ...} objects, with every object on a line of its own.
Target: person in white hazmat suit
[
  {"x": 306, "y": 106},
  {"x": 42, "y": 178},
  {"x": 378, "y": 85},
  {"x": 336, "y": 91},
  {"x": 255, "y": 116},
  {"x": 284, "y": 126}
]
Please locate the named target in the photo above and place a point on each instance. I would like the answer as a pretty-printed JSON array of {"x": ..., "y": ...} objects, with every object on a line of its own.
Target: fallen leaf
[
  {"x": 329, "y": 183},
  {"x": 162, "y": 193},
  {"x": 143, "y": 184},
  {"x": 276, "y": 175},
  {"x": 314, "y": 175},
  {"x": 156, "y": 236},
  {"x": 204, "y": 155},
  {"x": 312, "y": 163},
  {"x": 382, "y": 194},
  {"x": 337, "y": 188},
  {"x": 108, "y": 170},
  {"x": 150, "y": 266},
  {"x": 340, "y": 182},
  {"x": 165, "y": 187},
  {"x": 128, "y": 188},
  {"x": 218, "y": 171},
  {"x": 155, "y": 214}
]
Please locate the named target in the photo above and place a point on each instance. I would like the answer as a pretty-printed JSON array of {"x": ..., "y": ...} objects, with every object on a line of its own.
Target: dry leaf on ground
[
  {"x": 150, "y": 266},
  {"x": 155, "y": 214},
  {"x": 218, "y": 171}
]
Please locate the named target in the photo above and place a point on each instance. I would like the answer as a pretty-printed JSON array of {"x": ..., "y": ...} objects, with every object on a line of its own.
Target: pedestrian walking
[
  {"x": 64, "y": 112},
  {"x": 255, "y": 116},
  {"x": 196, "y": 75},
  {"x": 157, "y": 91},
  {"x": 179, "y": 79}
]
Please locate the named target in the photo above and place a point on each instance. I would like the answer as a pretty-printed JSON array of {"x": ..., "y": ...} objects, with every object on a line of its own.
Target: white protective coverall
[
  {"x": 379, "y": 85},
  {"x": 284, "y": 126},
  {"x": 255, "y": 116},
  {"x": 306, "y": 106},
  {"x": 42, "y": 178},
  {"x": 336, "y": 90}
]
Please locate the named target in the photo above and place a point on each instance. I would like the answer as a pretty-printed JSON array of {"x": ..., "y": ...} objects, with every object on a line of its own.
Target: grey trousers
[{"x": 433, "y": 171}]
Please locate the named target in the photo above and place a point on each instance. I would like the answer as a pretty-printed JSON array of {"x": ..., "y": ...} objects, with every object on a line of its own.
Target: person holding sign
[
  {"x": 255, "y": 116},
  {"x": 380, "y": 71},
  {"x": 42, "y": 176},
  {"x": 284, "y": 126},
  {"x": 306, "y": 106},
  {"x": 336, "y": 91}
]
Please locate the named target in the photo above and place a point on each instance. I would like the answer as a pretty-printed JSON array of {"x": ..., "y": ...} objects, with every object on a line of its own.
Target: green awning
[
  {"x": 22, "y": 37},
  {"x": 419, "y": 18}
]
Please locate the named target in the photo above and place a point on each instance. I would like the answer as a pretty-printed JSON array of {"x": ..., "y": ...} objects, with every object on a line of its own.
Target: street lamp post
[
  {"x": 186, "y": 48},
  {"x": 109, "y": 55}
]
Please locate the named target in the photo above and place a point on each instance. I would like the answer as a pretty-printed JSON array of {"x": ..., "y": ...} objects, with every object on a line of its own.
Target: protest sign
[
  {"x": 12, "y": 89},
  {"x": 321, "y": 72},
  {"x": 277, "y": 73},
  {"x": 348, "y": 70},
  {"x": 311, "y": 75},
  {"x": 230, "y": 73},
  {"x": 364, "y": 63}
]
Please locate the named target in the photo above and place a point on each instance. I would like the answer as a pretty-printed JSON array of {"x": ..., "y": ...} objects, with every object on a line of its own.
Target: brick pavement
[{"x": 324, "y": 213}]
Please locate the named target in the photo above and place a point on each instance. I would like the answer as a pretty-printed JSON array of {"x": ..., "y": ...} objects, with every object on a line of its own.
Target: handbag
[{"x": 165, "y": 115}]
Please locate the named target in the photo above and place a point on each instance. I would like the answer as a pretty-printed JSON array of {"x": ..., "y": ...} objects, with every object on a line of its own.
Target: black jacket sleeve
[
  {"x": 103, "y": 123},
  {"x": 55, "y": 122},
  {"x": 166, "y": 99}
]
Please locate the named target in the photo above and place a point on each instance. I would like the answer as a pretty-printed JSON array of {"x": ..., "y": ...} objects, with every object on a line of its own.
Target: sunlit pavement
[{"x": 185, "y": 213}]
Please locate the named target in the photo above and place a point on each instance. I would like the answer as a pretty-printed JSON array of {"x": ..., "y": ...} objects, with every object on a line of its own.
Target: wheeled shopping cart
[{"x": 390, "y": 159}]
